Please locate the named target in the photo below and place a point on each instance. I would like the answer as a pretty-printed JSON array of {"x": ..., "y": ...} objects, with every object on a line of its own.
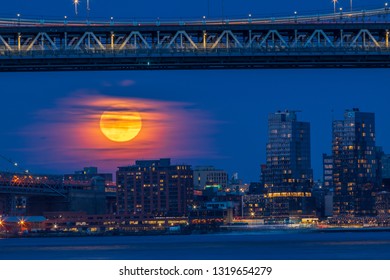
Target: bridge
[
  {"x": 26, "y": 193},
  {"x": 342, "y": 40}
]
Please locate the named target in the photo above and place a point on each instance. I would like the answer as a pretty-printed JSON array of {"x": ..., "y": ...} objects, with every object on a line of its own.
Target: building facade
[
  {"x": 288, "y": 151},
  {"x": 288, "y": 175},
  {"x": 327, "y": 164},
  {"x": 386, "y": 166},
  {"x": 209, "y": 175},
  {"x": 154, "y": 188},
  {"x": 356, "y": 171}
]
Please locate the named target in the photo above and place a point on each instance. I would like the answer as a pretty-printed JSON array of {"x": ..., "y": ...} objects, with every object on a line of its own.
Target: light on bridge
[
  {"x": 334, "y": 5},
  {"x": 76, "y": 3}
]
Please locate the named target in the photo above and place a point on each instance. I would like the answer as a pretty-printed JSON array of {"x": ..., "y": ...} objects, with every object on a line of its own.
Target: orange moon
[{"x": 121, "y": 125}]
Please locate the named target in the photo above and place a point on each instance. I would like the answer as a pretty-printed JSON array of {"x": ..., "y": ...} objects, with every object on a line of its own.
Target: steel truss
[
  {"x": 248, "y": 44},
  {"x": 25, "y": 184}
]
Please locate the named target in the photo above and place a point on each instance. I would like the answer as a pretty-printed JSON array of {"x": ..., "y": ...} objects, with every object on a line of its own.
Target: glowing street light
[
  {"x": 334, "y": 5},
  {"x": 22, "y": 223},
  {"x": 76, "y": 3}
]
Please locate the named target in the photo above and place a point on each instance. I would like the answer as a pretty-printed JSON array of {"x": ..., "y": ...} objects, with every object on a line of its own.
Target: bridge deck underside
[
  {"x": 174, "y": 62},
  {"x": 245, "y": 46}
]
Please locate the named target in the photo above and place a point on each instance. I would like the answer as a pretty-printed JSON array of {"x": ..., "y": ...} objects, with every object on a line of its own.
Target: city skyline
[
  {"x": 129, "y": 132},
  {"x": 7, "y": 164},
  {"x": 234, "y": 103}
]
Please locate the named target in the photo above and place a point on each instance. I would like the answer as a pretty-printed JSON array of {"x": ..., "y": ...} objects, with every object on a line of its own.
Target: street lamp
[
  {"x": 76, "y": 3},
  {"x": 334, "y": 5},
  {"x": 22, "y": 223}
]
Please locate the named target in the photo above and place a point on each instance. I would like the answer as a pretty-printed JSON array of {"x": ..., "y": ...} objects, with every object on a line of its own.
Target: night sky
[{"x": 204, "y": 117}]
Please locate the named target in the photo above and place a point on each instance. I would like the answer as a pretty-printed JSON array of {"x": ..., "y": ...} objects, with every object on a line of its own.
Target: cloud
[
  {"x": 69, "y": 134},
  {"x": 126, "y": 83}
]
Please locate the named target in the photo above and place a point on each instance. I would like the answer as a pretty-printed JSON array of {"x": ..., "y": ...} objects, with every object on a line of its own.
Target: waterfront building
[
  {"x": 288, "y": 151},
  {"x": 86, "y": 176},
  {"x": 208, "y": 176},
  {"x": 323, "y": 199},
  {"x": 385, "y": 166},
  {"x": 254, "y": 206},
  {"x": 154, "y": 188},
  {"x": 382, "y": 203},
  {"x": 288, "y": 175},
  {"x": 327, "y": 163},
  {"x": 256, "y": 188},
  {"x": 356, "y": 171}
]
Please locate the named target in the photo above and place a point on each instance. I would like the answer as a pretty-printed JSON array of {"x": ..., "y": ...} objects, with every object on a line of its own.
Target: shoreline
[{"x": 222, "y": 230}]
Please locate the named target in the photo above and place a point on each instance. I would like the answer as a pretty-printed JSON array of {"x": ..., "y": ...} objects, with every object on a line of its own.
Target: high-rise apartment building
[
  {"x": 287, "y": 174},
  {"x": 356, "y": 164},
  {"x": 154, "y": 188},
  {"x": 288, "y": 151}
]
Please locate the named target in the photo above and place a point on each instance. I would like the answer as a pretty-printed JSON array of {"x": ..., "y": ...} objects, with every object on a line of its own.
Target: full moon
[{"x": 121, "y": 125}]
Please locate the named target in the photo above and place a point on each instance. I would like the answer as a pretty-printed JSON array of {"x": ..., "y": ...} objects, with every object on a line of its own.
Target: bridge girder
[{"x": 26, "y": 48}]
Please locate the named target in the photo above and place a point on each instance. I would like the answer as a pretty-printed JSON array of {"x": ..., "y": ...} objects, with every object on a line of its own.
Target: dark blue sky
[
  {"x": 237, "y": 101},
  {"x": 175, "y": 8}
]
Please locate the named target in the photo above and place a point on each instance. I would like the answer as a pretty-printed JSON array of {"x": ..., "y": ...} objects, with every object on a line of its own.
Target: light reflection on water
[{"x": 253, "y": 245}]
